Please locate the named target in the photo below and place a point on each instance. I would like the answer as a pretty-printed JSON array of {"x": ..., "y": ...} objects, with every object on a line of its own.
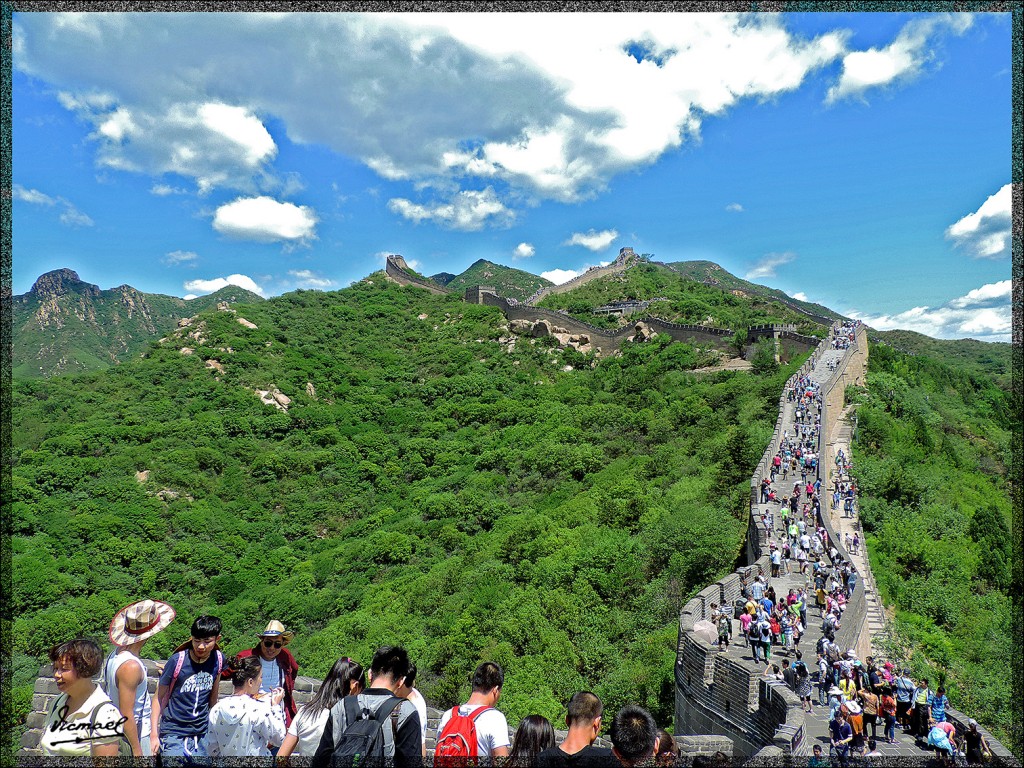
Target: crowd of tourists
[{"x": 357, "y": 715}]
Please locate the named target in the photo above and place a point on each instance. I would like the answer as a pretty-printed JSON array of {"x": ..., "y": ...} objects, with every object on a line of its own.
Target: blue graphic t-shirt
[{"x": 188, "y": 709}]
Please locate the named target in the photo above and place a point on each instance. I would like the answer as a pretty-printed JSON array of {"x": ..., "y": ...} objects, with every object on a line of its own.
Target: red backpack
[{"x": 457, "y": 744}]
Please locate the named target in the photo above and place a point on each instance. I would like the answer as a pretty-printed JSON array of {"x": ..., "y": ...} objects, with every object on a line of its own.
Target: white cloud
[
  {"x": 901, "y": 60},
  {"x": 592, "y": 239},
  {"x": 308, "y": 279},
  {"x": 523, "y": 251},
  {"x": 33, "y": 196},
  {"x": 180, "y": 257},
  {"x": 162, "y": 190},
  {"x": 467, "y": 211},
  {"x": 983, "y": 313},
  {"x": 209, "y": 286},
  {"x": 986, "y": 232},
  {"x": 73, "y": 217},
  {"x": 264, "y": 219},
  {"x": 70, "y": 216},
  {"x": 559, "y": 276},
  {"x": 734, "y": 208},
  {"x": 766, "y": 266},
  {"x": 518, "y": 98},
  {"x": 993, "y": 294},
  {"x": 800, "y": 296}
]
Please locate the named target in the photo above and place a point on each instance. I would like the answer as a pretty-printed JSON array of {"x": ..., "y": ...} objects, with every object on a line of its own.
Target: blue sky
[{"x": 857, "y": 160}]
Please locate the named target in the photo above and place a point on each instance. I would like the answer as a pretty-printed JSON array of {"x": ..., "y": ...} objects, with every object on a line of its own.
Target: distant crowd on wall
[{"x": 357, "y": 716}]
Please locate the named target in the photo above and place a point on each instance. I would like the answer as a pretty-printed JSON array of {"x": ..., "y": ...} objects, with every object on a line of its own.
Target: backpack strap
[
  {"x": 343, "y": 713},
  {"x": 179, "y": 663},
  {"x": 389, "y": 711},
  {"x": 480, "y": 712}
]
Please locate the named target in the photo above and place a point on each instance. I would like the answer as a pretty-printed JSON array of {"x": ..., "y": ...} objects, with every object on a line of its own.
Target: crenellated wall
[
  {"x": 716, "y": 694},
  {"x": 396, "y": 268}
]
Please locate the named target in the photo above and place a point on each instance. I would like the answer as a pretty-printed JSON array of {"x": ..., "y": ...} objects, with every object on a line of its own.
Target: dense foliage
[
  {"x": 989, "y": 358},
  {"x": 427, "y": 486},
  {"x": 932, "y": 454},
  {"x": 685, "y": 301}
]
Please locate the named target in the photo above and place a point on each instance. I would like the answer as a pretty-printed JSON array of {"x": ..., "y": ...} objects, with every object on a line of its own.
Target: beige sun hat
[
  {"x": 276, "y": 629},
  {"x": 140, "y": 621}
]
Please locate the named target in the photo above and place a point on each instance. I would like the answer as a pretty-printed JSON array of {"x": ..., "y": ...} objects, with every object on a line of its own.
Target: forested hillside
[
  {"x": 65, "y": 325},
  {"x": 688, "y": 301},
  {"x": 506, "y": 281},
  {"x": 424, "y": 481},
  {"x": 932, "y": 455}
]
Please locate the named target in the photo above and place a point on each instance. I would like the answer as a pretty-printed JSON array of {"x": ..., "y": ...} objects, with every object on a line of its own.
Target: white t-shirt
[
  {"x": 241, "y": 726},
  {"x": 308, "y": 726},
  {"x": 491, "y": 728},
  {"x": 421, "y": 706},
  {"x": 78, "y": 724}
]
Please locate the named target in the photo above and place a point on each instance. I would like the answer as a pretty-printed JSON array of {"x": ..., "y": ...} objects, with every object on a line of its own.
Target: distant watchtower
[
  {"x": 398, "y": 261},
  {"x": 475, "y": 293},
  {"x": 625, "y": 254}
]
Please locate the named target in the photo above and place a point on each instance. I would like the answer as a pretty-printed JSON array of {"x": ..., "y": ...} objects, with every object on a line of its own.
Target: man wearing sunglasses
[{"x": 279, "y": 666}]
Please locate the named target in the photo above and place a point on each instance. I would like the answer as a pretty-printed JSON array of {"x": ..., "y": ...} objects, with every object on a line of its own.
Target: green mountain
[
  {"x": 64, "y": 325},
  {"x": 443, "y": 278},
  {"x": 711, "y": 274},
  {"x": 983, "y": 357},
  {"x": 934, "y": 461},
  {"x": 682, "y": 298},
  {"x": 417, "y": 479},
  {"x": 506, "y": 281}
]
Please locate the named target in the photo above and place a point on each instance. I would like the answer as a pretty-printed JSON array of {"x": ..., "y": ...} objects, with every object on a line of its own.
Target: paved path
[{"x": 816, "y": 722}]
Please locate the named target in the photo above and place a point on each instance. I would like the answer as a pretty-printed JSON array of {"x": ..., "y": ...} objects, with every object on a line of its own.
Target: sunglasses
[{"x": 272, "y": 644}]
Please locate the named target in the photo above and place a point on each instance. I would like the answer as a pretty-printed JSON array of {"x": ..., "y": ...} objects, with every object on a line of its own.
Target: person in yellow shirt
[{"x": 848, "y": 688}]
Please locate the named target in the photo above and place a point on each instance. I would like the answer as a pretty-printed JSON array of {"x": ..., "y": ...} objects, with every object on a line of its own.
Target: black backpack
[{"x": 362, "y": 740}]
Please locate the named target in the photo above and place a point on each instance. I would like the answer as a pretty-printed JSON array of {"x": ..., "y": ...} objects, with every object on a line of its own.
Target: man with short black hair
[
  {"x": 401, "y": 728},
  {"x": 491, "y": 725},
  {"x": 583, "y": 719},
  {"x": 634, "y": 735}
]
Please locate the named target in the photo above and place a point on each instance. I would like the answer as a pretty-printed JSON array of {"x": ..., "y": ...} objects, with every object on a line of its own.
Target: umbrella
[{"x": 706, "y": 630}]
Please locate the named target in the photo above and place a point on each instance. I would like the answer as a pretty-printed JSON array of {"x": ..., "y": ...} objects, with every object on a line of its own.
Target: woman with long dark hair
[
  {"x": 533, "y": 736},
  {"x": 345, "y": 679}
]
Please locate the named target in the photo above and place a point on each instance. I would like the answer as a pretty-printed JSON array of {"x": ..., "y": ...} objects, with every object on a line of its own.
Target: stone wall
[
  {"x": 719, "y": 695},
  {"x": 625, "y": 260},
  {"x": 396, "y": 268}
]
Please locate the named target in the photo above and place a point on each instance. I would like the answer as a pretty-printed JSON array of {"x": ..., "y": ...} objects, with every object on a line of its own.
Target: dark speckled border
[{"x": 848, "y": 6}]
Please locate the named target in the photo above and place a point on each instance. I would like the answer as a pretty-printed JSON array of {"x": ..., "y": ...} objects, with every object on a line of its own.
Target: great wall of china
[
  {"x": 722, "y": 702},
  {"x": 788, "y": 342}
]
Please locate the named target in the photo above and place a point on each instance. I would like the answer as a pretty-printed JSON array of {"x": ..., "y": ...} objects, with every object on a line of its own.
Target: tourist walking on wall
[
  {"x": 279, "y": 666},
  {"x": 82, "y": 709},
  {"x": 583, "y": 719},
  {"x": 187, "y": 691},
  {"x": 242, "y": 725},
  {"x": 124, "y": 676},
  {"x": 634, "y": 736},
  {"x": 491, "y": 726},
  {"x": 303, "y": 736}
]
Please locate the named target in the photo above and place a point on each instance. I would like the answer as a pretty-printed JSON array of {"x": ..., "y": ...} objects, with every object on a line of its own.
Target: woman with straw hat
[{"x": 124, "y": 676}]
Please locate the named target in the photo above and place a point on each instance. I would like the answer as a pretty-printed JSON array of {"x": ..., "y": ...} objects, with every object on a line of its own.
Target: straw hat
[
  {"x": 140, "y": 621},
  {"x": 276, "y": 629}
]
